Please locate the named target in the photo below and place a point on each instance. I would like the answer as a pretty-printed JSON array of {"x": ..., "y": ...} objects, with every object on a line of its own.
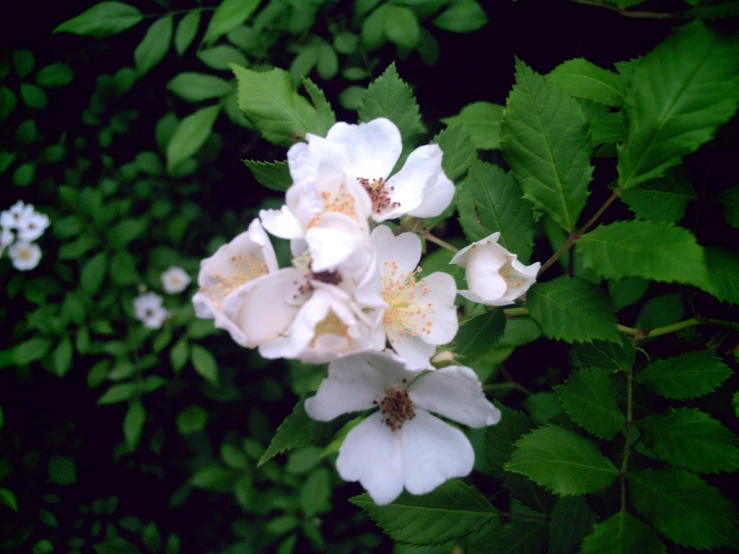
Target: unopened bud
[{"x": 444, "y": 358}]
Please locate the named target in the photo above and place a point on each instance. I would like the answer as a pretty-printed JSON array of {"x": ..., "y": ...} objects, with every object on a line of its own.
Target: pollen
[
  {"x": 405, "y": 314},
  {"x": 379, "y": 193},
  {"x": 240, "y": 269},
  {"x": 342, "y": 202},
  {"x": 397, "y": 407}
]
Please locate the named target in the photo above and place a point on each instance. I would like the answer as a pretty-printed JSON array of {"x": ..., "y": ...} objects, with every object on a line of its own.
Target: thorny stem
[
  {"x": 574, "y": 237},
  {"x": 627, "y": 437},
  {"x": 629, "y": 13},
  {"x": 436, "y": 240}
]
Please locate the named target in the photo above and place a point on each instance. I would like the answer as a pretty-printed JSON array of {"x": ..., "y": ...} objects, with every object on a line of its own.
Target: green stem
[
  {"x": 428, "y": 236},
  {"x": 515, "y": 312},
  {"x": 627, "y": 437},
  {"x": 628, "y": 13},
  {"x": 574, "y": 237}
]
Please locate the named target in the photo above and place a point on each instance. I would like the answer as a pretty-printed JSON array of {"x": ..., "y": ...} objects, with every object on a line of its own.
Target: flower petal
[
  {"x": 402, "y": 252},
  {"x": 373, "y": 148},
  {"x": 456, "y": 393},
  {"x": 413, "y": 350},
  {"x": 352, "y": 385},
  {"x": 370, "y": 454},
  {"x": 333, "y": 240},
  {"x": 437, "y": 301},
  {"x": 432, "y": 452},
  {"x": 420, "y": 187},
  {"x": 304, "y": 159},
  {"x": 281, "y": 223}
]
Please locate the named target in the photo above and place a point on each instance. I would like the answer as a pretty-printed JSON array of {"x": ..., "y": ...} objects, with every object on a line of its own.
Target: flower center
[
  {"x": 505, "y": 271},
  {"x": 404, "y": 313},
  {"x": 330, "y": 325},
  {"x": 379, "y": 193},
  {"x": 243, "y": 269},
  {"x": 397, "y": 407},
  {"x": 24, "y": 254},
  {"x": 329, "y": 277},
  {"x": 342, "y": 202}
]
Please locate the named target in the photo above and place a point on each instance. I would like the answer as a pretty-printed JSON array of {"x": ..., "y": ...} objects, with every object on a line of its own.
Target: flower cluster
[
  {"x": 20, "y": 226},
  {"x": 355, "y": 297},
  {"x": 149, "y": 306}
]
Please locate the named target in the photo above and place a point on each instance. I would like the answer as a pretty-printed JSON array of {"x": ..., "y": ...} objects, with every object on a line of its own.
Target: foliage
[{"x": 614, "y": 374}]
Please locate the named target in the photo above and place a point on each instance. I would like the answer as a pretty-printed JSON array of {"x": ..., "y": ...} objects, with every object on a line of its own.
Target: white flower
[
  {"x": 6, "y": 238},
  {"x": 149, "y": 310},
  {"x": 494, "y": 275},
  {"x": 342, "y": 179},
  {"x": 231, "y": 274},
  {"x": 32, "y": 226},
  {"x": 420, "y": 311},
  {"x": 24, "y": 255},
  {"x": 17, "y": 213},
  {"x": 175, "y": 280},
  {"x": 402, "y": 445}
]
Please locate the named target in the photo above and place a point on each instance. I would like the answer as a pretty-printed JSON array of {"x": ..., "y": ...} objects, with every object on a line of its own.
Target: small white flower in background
[
  {"x": 32, "y": 226},
  {"x": 229, "y": 275},
  {"x": 24, "y": 255},
  {"x": 149, "y": 310},
  {"x": 402, "y": 445},
  {"x": 175, "y": 280},
  {"x": 6, "y": 238},
  {"x": 420, "y": 311},
  {"x": 16, "y": 215},
  {"x": 494, "y": 275}
]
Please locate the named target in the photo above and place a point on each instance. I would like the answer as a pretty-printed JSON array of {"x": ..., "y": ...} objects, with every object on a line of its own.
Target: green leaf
[
  {"x": 61, "y": 359},
  {"x": 689, "y": 438},
  {"x": 689, "y": 375},
  {"x": 571, "y": 520},
  {"x": 116, "y": 545},
  {"x": 102, "y": 20},
  {"x": 33, "y": 97},
  {"x": 663, "y": 199},
  {"x": 327, "y": 62},
  {"x": 612, "y": 356},
  {"x": 195, "y": 87},
  {"x": 272, "y": 105},
  {"x": 179, "y": 355},
  {"x": 657, "y": 251},
  {"x": 315, "y": 493},
  {"x": 229, "y": 15},
  {"x": 31, "y": 350},
  {"x": 491, "y": 201},
  {"x": 191, "y": 420},
  {"x": 572, "y": 310},
  {"x": 456, "y": 144},
  {"x": 154, "y": 45},
  {"x": 723, "y": 269},
  {"x": 273, "y": 175},
  {"x": 216, "y": 478},
  {"x": 391, "y": 97},
  {"x": 123, "y": 268},
  {"x": 545, "y": 139},
  {"x": 402, "y": 27},
  {"x": 373, "y": 28},
  {"x": 477, "y": 336},
  {"x": 151, "y": 537},
  {"x": 730, "y": 201},
  {"x": 55, "y": 75},
  {"x": 24, "y": 174},
  {"x": 186, "y": 31},
  {"x": 8, "y": 102},
  {"x": 609, "y": 128},
  {"x": 219, "y": 57},
  {"x": 482, "y": 121},
  {"x": 325, "y": 116},
  {"x": 584, "y": 79},
  {"x": 62, "y": 471},
  {"x": 680, "y": 93},
  {"x": 121, "y": 234},
  {"x": 234, "y": 457},
  {"x": 190, "y": 135},
  {"x": 133, "y": 423},
  {"x": 521, "y": 536},
  {"x": 451, "y": 511},
  {"x": 589, "y": 398},
  {"x": 24, "y": 62},
  {"x": 499, "y": 439},
  {"x": 205, "y": 364},
  {"x": 562, "y": 461},
  {"x": 8, "y": 498},
  {"x": 684, "y": 508},
  {"x": 622, "y": 533},
  {"x": 94, "y": 272},
  {"x": 300, "y": 430},
  {"x": 117, "y": 393},
  {"x": 462, "y": 16}
]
